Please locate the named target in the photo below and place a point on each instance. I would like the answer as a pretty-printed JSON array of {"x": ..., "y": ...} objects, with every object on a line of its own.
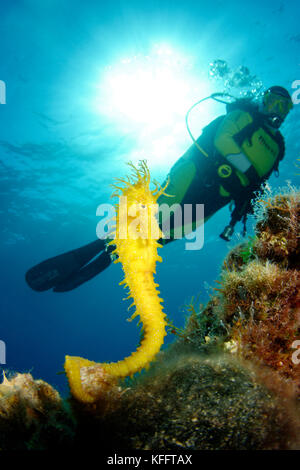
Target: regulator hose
[{"x": 214, "y": 96}]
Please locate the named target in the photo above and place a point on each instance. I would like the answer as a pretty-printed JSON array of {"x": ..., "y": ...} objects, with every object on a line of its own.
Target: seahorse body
[{"x": 136, "y": 236}]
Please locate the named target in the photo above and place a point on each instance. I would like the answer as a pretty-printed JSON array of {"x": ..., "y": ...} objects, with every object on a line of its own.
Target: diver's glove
[
  {"x": 227, "y": 232},
  {"x": 243, "y": 207}
]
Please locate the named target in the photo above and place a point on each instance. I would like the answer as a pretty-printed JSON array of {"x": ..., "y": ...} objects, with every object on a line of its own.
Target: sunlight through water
[{"x": 147, "y": 96}]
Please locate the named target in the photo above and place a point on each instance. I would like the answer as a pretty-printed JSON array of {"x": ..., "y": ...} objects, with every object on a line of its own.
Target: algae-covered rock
[
  {"x": 189, "y": 403},
  {"x": 195, "y": 403},
  {"x": 255, "y": 311},
  {"x": 32, "y": 415}
]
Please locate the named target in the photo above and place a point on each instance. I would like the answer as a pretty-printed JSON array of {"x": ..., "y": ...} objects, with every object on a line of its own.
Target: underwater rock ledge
[
  {"x": 185, "y": 403},
  {"x": 194, "y": 403}
]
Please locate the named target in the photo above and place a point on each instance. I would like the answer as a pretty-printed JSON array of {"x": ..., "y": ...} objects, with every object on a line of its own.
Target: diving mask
[{"x": 276, "y": 106}]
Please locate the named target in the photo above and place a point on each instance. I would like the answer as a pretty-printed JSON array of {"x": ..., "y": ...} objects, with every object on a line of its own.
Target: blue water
[{"x": 89, "y": 86}]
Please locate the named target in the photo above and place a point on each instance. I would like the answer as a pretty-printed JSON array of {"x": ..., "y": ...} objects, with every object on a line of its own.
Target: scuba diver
[{"x": 231, "y": 160}]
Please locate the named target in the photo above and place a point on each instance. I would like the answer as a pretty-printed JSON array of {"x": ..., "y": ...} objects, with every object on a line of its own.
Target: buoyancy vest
[{"x": 264, "y": 148}]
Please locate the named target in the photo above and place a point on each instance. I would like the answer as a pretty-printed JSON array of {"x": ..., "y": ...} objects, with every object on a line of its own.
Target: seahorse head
[{"x": 137, "y": 229}]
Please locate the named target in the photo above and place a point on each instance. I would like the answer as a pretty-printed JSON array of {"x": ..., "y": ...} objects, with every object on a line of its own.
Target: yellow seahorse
[{"x": 136, "y": 235}]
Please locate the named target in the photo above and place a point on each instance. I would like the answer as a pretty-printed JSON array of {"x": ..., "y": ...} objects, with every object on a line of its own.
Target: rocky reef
[
  {"x": 33, "y": 415},
  {"x": 255, "y": 311},
  {"x": 194, "y": 403},
  {"x": 228, "y": 381}
]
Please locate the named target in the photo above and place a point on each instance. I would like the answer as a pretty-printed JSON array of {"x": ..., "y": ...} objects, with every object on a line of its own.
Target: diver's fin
[
  {"x": 48, "y": 273},
  {"x": 84, "y": 274}
]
